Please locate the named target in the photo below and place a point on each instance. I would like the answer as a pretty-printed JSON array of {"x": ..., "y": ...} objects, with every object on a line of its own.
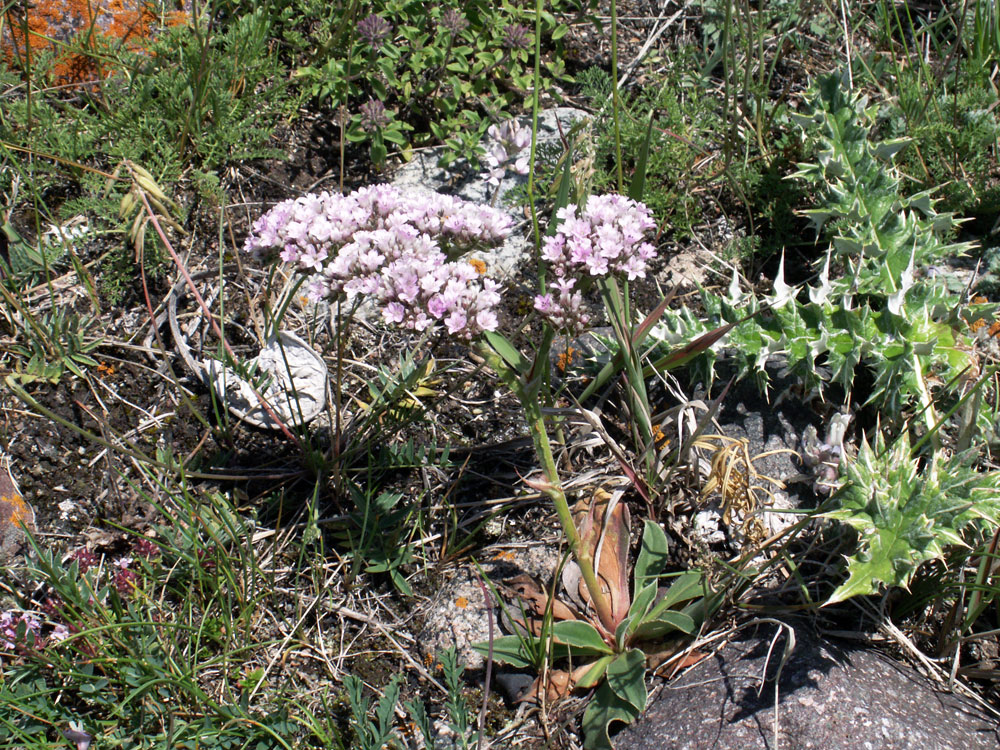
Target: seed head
[
  {"x": 374, "y": 30},
  {"x": 515, "y": 36}
]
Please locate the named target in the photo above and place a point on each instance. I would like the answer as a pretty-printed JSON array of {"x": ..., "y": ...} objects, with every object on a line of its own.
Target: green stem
[
  {"x": 527, "y": 390},
  {"x": 615, "y": 100},
  {"x": 535, "y": 83},
  {"x": 583, "y": 557}
]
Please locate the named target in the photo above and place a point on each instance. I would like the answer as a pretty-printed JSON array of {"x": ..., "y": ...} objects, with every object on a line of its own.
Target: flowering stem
[
  {"x": 527, "y": 388},
  {"x": 616, "y": 302},
  {"x": 582, "y": 555}
]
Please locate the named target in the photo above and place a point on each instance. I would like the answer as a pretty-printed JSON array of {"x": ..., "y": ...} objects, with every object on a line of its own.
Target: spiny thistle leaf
[{"x": 905, "y": 516}]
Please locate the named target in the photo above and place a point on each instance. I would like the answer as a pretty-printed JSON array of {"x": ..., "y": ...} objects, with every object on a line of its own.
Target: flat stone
[{"x": 830, "y": 695}]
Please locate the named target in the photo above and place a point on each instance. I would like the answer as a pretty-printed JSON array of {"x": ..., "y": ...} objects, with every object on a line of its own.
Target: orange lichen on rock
[{"x": 81, "y": 33}]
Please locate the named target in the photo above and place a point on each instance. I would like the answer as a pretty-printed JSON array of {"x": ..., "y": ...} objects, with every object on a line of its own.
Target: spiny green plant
[
  {"x": 906, "y": 509},
  {"x": 879, "y": 300}
]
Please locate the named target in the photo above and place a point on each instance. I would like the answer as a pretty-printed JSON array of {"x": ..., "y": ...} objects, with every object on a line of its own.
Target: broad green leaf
[
  {"x": 652, "y": 556},
  {"x": 604, "y": 708},
  {"x": 394, "y": 136},
  {"x": 627, "y": 678},
  {"x": 580, "y": 635},
  {"x": 508, "y": 649}
]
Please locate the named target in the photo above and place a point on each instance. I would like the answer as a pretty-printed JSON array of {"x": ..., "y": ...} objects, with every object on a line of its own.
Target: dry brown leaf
[
  {"x": 560, "y": 684},
  {"x": 605, "y": 534},
  {"x": 534, "y": 601}
]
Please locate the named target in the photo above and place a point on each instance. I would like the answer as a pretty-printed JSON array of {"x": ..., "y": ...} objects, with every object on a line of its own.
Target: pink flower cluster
[
  {"x": 9, "y": 622},
  {"x": 607, "y": 238},
  {"x": 400, "y": 248},
  {"x": 506, "y": 151}
]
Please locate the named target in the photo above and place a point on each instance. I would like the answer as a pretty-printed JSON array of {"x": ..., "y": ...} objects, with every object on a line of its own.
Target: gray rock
[
  {"x": 829, "y": 695},
  {"x": 768, "y": 428},
  {"x": 459, "y": 614},
  {"x": 469, "y": 182}
]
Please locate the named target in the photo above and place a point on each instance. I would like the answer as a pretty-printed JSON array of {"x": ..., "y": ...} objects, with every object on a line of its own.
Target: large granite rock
[{"x": 828, "y": 695}]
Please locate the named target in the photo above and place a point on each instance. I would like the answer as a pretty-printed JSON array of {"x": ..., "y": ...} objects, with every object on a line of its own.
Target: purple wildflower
[
  {"x": 76, "y": 734},
  {"x": 85, "y": 559},
  {"x": 374, "y": 30},
  {"x": 373, "y": 116},
  {"x": 11, "y": 622},
  {"x": 454, "y": 20},
  {"x": 564, "y": 311},
  {"x": 126, "y": 579},
  {"x": 60, "y": 633},
  {"x": 146, "y": 548},
  {"x": 506, "y": 150}
]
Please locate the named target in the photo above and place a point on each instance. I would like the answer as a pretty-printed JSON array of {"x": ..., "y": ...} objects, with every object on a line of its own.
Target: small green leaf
[
  {"x": 688, "y": 585},
  {"x": 640, "y": 606},
  {"x": 888, "y": 149},
  {"x": 394, "y": 136}
]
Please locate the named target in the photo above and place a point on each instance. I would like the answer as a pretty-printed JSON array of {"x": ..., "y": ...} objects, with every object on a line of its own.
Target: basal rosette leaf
[{"x": 622, "y": 697}]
